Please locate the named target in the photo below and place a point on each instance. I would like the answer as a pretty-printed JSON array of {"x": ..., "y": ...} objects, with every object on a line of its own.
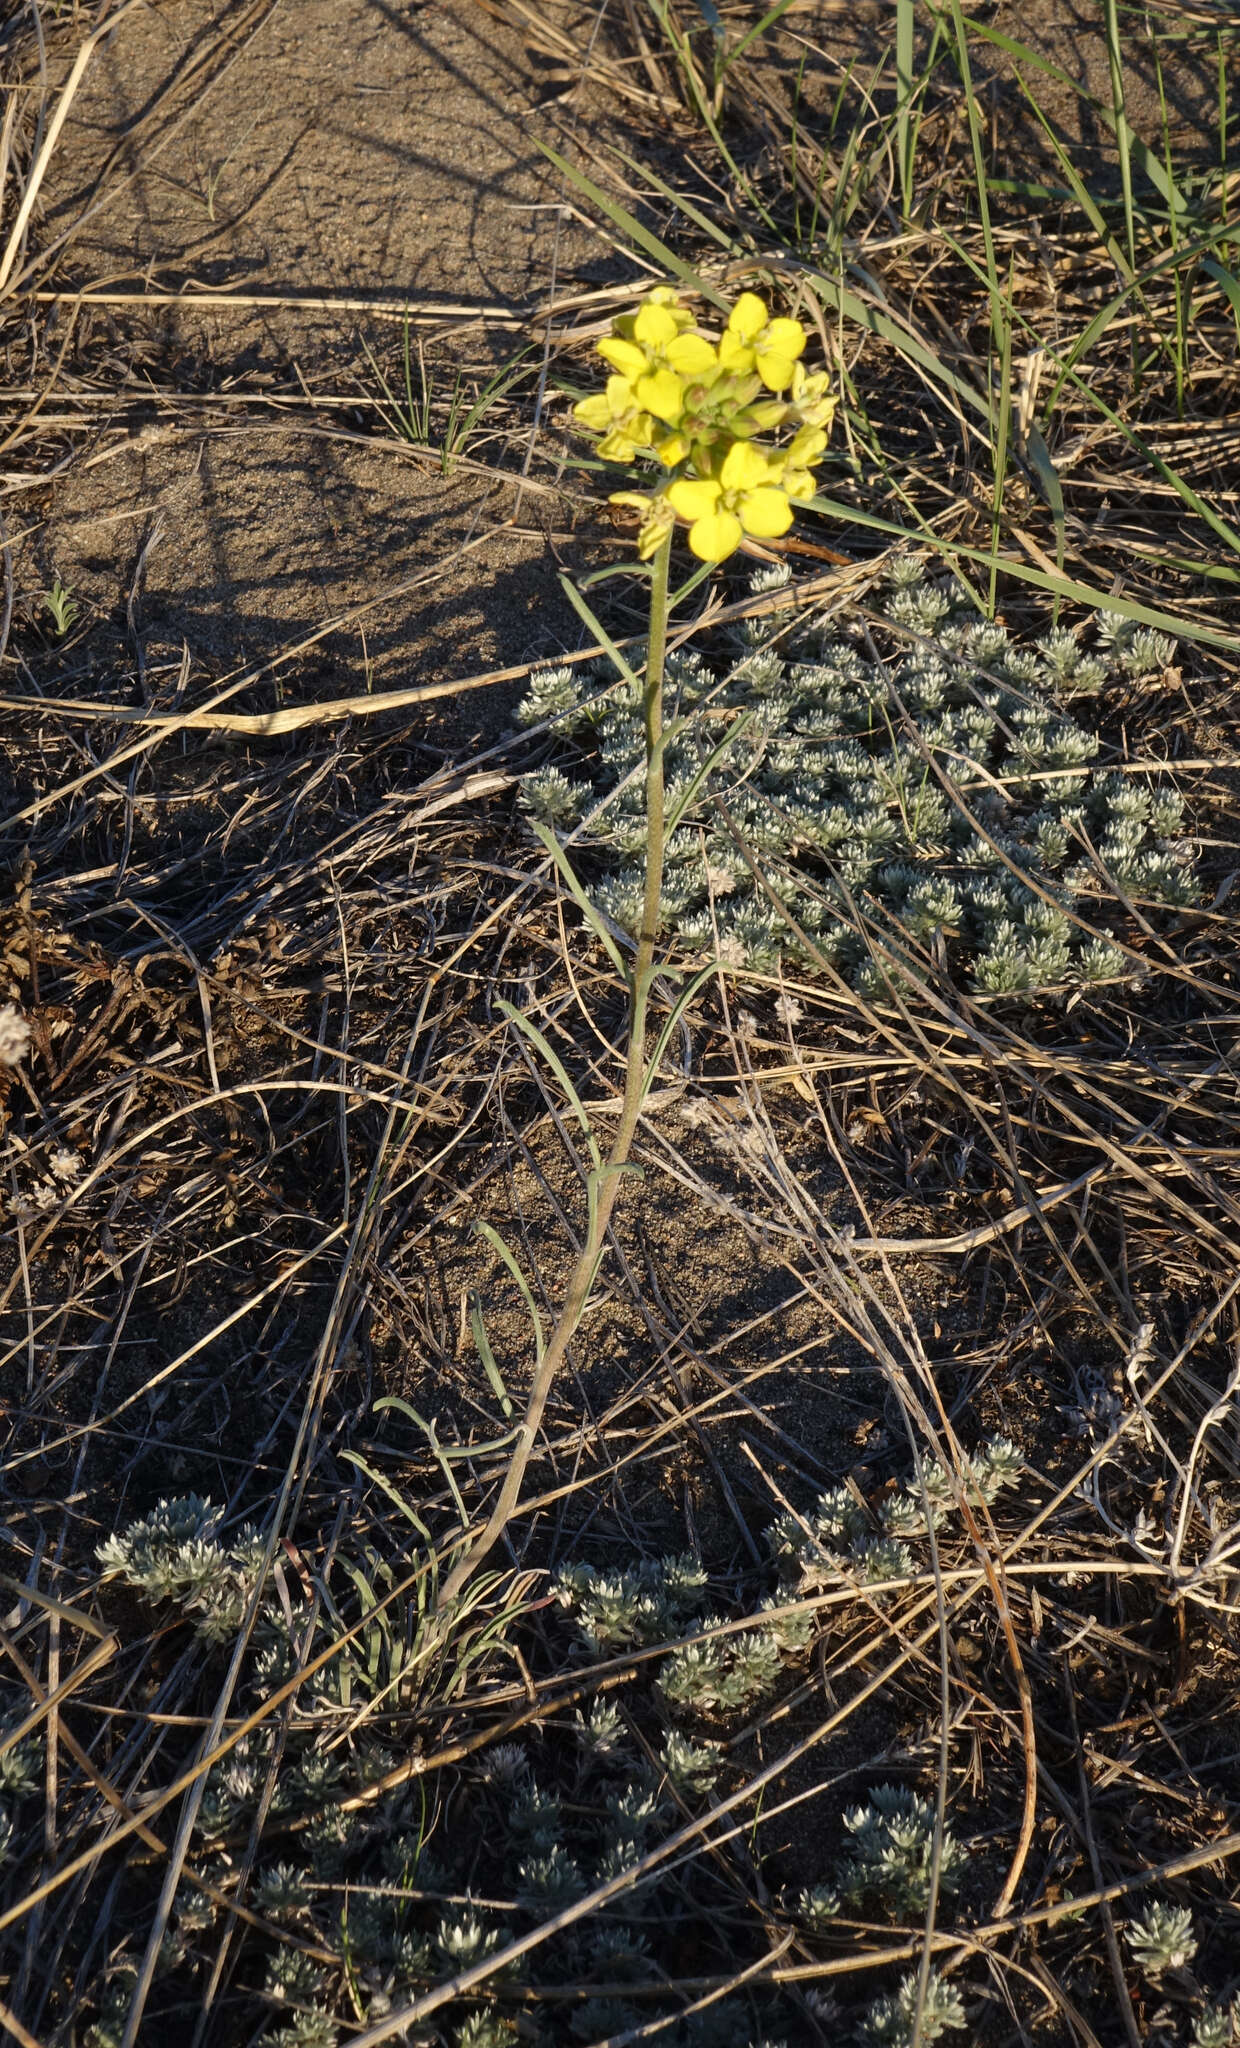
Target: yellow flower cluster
[{"x": 696, "y": 405}]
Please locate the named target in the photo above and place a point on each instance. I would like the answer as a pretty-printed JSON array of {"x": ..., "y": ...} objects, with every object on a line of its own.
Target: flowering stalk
[
  {"x": 694, "y": 405},
  {"x": 607, "y": 1181}
]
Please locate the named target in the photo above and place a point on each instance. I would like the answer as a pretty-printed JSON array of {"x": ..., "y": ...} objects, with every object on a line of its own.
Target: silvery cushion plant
[{"x": 940, "y": 811}]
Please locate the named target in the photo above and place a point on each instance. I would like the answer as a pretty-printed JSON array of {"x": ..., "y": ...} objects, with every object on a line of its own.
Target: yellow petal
[
  {"x": 656, "y": 526},
  {"x": 805, "y": 386},
  {"x": 662, "y": 393},
  {"x": 813, "y": 403},
  {"x": 748, "y": 317},
  {"x": 655, "y": 325},
  {"x": 624, "y": 356},
  {"x": 767, "y": 413},
  {"x": 620, "y": 395},
  {"x": 775, "y": 369},
  {"x": 594, "y": 412},
  {"x": 800, "y": 485},
  {"x": 744, "y": 469},
  {"x": 714, "y": 538},
  {"x": 765, "y": 513},
  {"x": 672, "y": 449},
  {"x": 618, "y": 446},
  {"x": 735, "y": 354},
  {"x": 806, "y": 445},
  {"x": 786, "y": 337},
  {"x": 639, "y": 500},
  {"x": 691, "y": 355},
  {"x": 694, "y": 497}
]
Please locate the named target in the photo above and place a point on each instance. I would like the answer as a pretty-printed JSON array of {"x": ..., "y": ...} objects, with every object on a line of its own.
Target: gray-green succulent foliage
[
  {"x": 174, "y": 1554},
  {"x": 890, "y": 2022},
  {"x": 1217, "y": 2026},
  {"x": 840, "y": 1538},
  {"x": 376, "y": 1884},
  {"x": 720, "y": 1670},
  {"x": 938, "y": 810},
  {"x": 1162, "y": 1938},
  {"x": 406, "y": 1898}
]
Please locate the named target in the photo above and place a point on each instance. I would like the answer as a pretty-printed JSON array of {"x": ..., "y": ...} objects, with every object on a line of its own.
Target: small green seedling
[{"x": 62, "y": 605}]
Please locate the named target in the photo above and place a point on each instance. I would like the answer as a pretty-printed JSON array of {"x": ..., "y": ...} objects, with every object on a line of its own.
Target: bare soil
[{"x": 240, "y": 492}]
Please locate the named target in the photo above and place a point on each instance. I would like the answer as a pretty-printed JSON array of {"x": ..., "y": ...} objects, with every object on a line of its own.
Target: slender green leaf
[
  {"x": 690, "y": 792},
  {"x": 556, "y": 1064},
  {"x": 437, "y": 1449},
  {"x": 681, "y": 1004},
  {"x": 599, "y": 631},
  {"x": 1227, "y": 285},
  {"x": 482, "y": 1344},
  {"x": 1080, "y": 192},
  {"x": 688, "y": 207},
  {"x": 973, "y": 116},
  {"x": 632, "y": 227},
  {"x": 1037, "y": 454},
  {"x": 760, "y": 28},
  {"x": 1183, "y": 628},
  {"x": 393, "y": 1494},
  {"x": 497, "y": 1244},
  {"x": 584, "y": 905},
  {"x": 1001, "y": 432},
  {"x": 1119, "y": 118},
  {"x": 906, "y": 22}
]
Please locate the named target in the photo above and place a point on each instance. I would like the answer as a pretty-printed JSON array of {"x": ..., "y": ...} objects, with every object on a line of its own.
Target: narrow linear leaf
[
  {"x": 578, "y": 894},
  {"x": 620, "y": 217},
  {"x": 1057, "y": 586},
  {"x": 558, "y": 1068},
  {"x": 498, "y": 1246}
]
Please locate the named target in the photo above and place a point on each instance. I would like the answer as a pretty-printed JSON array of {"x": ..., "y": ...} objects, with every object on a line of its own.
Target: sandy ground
[{"x": 343, "y": 152}]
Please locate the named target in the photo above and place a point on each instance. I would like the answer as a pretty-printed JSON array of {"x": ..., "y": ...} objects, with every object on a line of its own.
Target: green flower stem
[
  {"x": 652, "y": 894},
  {"x": 606, "y": 1182}
]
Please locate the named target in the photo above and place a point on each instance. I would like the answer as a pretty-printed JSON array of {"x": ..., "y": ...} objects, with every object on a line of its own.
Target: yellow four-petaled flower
[
  {"x": 753, "y": 341},
  {"x": 745, "y": 497},
  {"x": 695, "y": 405}
]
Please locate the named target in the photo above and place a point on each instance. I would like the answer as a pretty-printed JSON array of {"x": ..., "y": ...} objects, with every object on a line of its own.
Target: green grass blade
[
  {"x": 599, "y": 631},
  {"x": 690, "y": 793},
  {"x": 760, "y": 28},
  {"x": 385, "y": 1486},
  {"x": 839, "y": 300},
  {"x": 482, "y": 1343},
  {"x": 578, "y": 894},
  {"x": 1066, "y": 587},
  {"x": 1038, "y": 456},
  {"x": 666, "y": 258},
  {"x": 1123, "y": 138},
  {"x": 1136, "y": 148},
  {"x": 556, "y": 1064},
  {"x": 979, "y": 163},
  {"x": 1002, "y": 429},
  {"x": 496, "y": 387},
  {"x": 497, "y": 1245},
  {"x": 681, "y": 1004},
  {"x": 683, "y": 50},
  {"x": 906, "y": 24},
  {"x": 1079, "y": 190},
  {"x": 1227, "y": 284},
  {"x": 1067, "y": 372},
  {"x": 438, "y": 1451},
  {"x": 682, "y": 204}
]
